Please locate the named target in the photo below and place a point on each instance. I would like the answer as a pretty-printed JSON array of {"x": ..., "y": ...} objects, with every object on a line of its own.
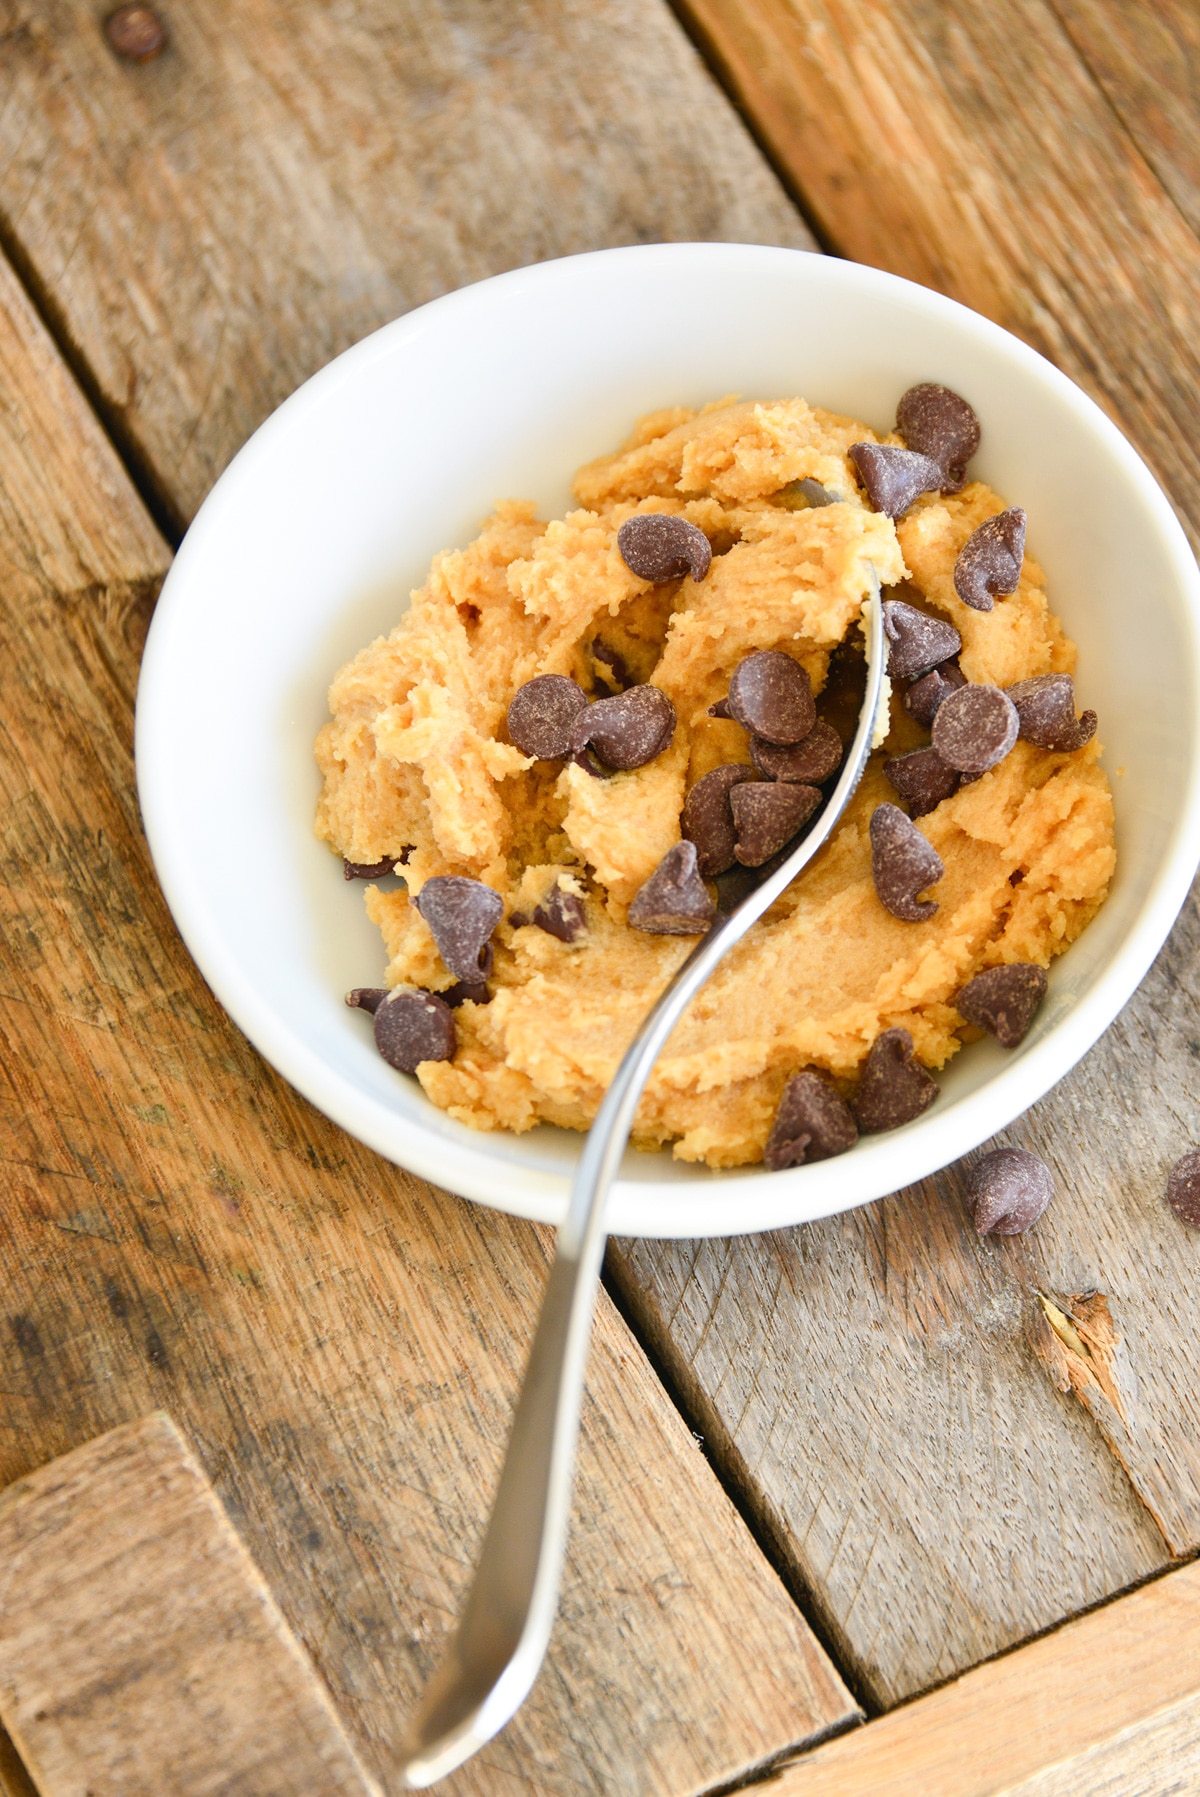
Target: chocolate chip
[
  {"x": 708, "y": 820},
  {"x": 926, "y": 694},
  {"x": 660, "y": 546},
  {"x": 629, "y": 729},
  {"x": 940, "y": 424},
  {"x": 918, "y": 642},
  {"x": 903, "y": 864},
  {"x": 366, "y": 998},
  {"x": 975, "y": 728},
  {"x": 989, "y": 564},
  {"x": 674, "y": 900},
  {"x": 1046, "y": 709},
  {"x": 1183, "y": 1189},
  {"x": 615, "y": 662},
  {"x": 720, "y": 709},
  {"x": 411, "y": 1027},
  {"x": 894, "y": 477},
  {"x": 1003, "y": 1000},
  {"x": 768, "y": 814},
  {"x": 805, "y": 763},
  {"x": 894, "y": 1087},
  {"x": 369, "y": 870},
  {"x": 816, "y": 494},
  {"x": 585, "y": 759},
  {"x": 461, "y": 915},
  {"x": 136, "y": 33},
  {"x": 561, "y": 913},
  {"x": 1008, "y": 1190},
  {"x": 922, "y": 779},
  {"x": 543, "y": 715},
  {"x": 464, "y": 991},
  {"x": 737, "y": 884},
  {"x": 771, "y": 695},
  {"x": 812, "y": 1123}
]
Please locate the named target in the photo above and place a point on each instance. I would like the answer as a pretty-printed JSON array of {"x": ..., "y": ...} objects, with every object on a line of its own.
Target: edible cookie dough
[{"x": 420, "y": 769}]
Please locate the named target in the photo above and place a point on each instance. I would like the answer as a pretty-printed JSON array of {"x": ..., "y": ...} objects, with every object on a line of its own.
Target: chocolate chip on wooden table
[
  {"x": 767, "y": 814},
  {"x": 894, "y": 477},
  {"x": 940, "y": 424},
  {"x": 561, "y": 913},
  {"x": 543, "y": 715},
  {"x": 1183, "y": 1189},
  {"x": 366, "y": 998},
  {"x": 894, "y": 1087},
  {"x": 806, "y": 763},
  {"x": 989, "y": 564},
  {"x": 1008, "y": 1190},
  {"x": 135, "y": 33},
  {"x": 1003, "y": 1000},
  {"x": 926, "y": 694},
  {"x": 813, "y": 1123},
  {"x": 674, "y": 900},
  {"x": 661, "y": 546},
  {"x": 975, "y": 728},
  {"x": 918, "y": 642},
  {"x": 1046, "y": 710},
  {"x": 461, "y": 915},
  {"x": 903, "y": 864},
  {"x": 411, "y": 1027},
  {"x": 707, "y": 817},
  {"x": 922, "y": 779},
  {"x": 771, "y": 695},
  {"x": 629, "y": 729}
]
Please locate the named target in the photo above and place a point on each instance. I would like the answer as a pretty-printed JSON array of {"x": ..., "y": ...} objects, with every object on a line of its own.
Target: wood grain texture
[
  {"x": 140, "y": 1650},
  {"x": 1108, "y": 1704},
  {"x": 211, "y": 227},
  {"x": 1147, "y": 60},
  {"x": 342, "y": 1344},
  {"x": 971, "y": 149}
]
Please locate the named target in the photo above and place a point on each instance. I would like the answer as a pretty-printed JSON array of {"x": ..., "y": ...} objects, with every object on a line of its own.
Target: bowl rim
[{"x": 778, "y": 1199}]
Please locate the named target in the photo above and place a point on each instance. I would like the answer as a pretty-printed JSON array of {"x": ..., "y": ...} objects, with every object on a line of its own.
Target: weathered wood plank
[
  {"x": 342, "y": 1344},
  {"x": 211, "y": 227},
  {"x": 875, "y": 1381},
  {"x": 1147, "y": 60},
  {"x": 972, "y": 150},
  {"x": 140, "y": 1650},
  {"x": 1108, "y": 1706}
]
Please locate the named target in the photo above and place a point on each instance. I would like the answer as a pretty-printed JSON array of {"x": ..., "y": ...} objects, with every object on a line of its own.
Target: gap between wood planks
[{"x": 150, "y": 491}]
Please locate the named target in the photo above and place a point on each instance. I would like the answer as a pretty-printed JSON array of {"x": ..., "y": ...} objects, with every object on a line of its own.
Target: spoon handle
[{"x": 501, "y": 1639}]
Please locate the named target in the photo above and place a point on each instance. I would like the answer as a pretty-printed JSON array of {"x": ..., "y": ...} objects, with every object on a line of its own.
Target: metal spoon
[{"x": 501, "y": 1641}]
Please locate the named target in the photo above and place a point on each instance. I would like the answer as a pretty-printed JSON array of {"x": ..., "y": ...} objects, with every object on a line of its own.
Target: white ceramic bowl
[{"x": 310, "y": 542}]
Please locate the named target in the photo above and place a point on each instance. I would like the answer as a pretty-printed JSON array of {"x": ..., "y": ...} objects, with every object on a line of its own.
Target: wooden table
[{"x": 823, "y": 1470}]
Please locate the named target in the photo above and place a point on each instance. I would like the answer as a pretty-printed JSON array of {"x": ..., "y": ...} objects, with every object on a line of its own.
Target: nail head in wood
[{"x": 135, "y": 33}]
